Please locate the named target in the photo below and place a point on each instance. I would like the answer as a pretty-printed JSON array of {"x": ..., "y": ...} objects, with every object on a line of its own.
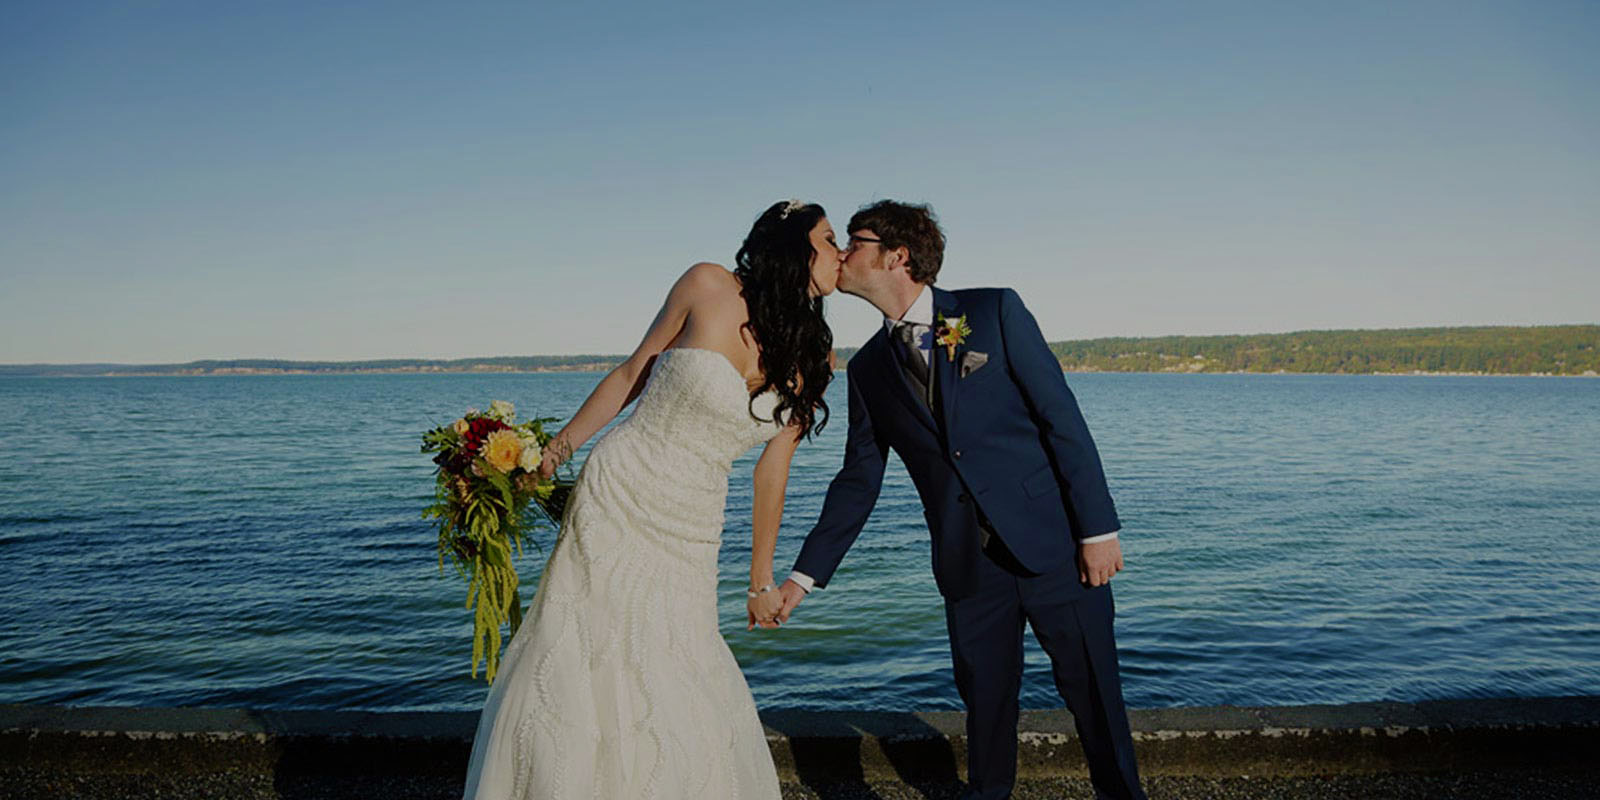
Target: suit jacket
[{"x": 1005, "y": 446}]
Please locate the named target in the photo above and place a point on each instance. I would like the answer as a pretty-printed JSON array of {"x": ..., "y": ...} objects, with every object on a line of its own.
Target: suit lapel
[
  {"x": 942, "y": 371},
  {"x": 899, "y": 385}
]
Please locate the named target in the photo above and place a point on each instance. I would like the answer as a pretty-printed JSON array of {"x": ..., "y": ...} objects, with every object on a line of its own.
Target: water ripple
[{"x": 1291, "y": 539}]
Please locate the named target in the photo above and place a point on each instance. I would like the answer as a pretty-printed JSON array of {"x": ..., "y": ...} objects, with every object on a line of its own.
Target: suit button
[
  {"x": 957, "y": 454},
  {"x": 962, "y": 498}
]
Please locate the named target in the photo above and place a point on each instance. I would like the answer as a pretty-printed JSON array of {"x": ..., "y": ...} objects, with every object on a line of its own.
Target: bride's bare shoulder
[
  {"x": 710, "y": 274},
  {"x": 706, "y": 282}
]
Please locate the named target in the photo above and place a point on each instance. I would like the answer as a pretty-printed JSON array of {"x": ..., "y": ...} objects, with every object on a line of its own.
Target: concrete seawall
[{"x": 813, "y": 748}]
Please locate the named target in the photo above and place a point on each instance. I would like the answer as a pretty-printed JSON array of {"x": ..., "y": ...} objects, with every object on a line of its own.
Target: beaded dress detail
[{"x": 619, "y": 684}]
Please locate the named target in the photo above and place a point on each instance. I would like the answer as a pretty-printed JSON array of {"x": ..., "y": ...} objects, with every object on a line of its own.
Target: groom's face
[{"x": 862, "y": 257}]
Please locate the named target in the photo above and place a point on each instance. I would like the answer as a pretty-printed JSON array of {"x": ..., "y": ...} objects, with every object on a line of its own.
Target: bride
[{"x": 619, "y": 684}]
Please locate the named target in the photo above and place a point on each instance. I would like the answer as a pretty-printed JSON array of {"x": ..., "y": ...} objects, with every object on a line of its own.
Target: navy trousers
[{"x": 1074, "y": 626}]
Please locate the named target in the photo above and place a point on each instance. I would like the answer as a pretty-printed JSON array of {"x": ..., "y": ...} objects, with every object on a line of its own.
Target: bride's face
[{"x": 824, "y": 259}]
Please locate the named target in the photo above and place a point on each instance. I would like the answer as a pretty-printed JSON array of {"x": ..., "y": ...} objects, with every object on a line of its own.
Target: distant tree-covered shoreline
[
  {"x": 1541, "y": 350},
  {"x": 1535, "y": 350},
  {"x": 269, "y": 366}
]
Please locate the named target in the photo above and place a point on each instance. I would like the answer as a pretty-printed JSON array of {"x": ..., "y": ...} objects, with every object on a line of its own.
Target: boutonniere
[{"x": 951, "y": 332}]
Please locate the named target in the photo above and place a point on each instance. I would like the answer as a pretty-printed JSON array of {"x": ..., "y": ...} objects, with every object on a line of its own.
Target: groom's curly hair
[
  {"x": 905, "y": 225},
  {"x": 774, "y": 271}
]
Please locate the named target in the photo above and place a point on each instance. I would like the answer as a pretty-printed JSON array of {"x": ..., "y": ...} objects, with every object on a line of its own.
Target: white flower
[
  {"x": 503, "y": 411},
  {"x": 530, "y": 458}
]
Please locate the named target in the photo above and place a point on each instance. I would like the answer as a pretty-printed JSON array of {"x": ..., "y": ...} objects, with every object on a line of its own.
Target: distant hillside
[
  {"x": 1538, "y": 350},
  {"x": 261, "y": 366}
]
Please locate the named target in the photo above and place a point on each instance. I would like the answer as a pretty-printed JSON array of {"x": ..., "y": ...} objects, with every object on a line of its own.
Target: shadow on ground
[{"x": 831, "y": 755}]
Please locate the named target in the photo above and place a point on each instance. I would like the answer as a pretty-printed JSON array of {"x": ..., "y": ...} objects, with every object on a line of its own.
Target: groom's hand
[
  {"x": 1098, "y": 561},
  {"x": 792, "y": 595}
]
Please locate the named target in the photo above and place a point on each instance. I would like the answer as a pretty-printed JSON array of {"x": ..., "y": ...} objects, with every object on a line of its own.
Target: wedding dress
[{"x": 619, "y": 685}]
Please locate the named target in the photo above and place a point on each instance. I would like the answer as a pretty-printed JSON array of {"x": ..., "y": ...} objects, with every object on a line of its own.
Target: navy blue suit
[{"x": 1002, "y": 450}]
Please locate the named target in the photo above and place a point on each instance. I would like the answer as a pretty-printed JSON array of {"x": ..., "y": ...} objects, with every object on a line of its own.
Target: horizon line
[{"x": 612, "y": 356}]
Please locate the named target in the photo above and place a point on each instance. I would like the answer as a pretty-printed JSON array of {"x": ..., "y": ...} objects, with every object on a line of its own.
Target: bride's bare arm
[
  {"x": 625, "y": 381},
  {"x": 771, "y": 483}
]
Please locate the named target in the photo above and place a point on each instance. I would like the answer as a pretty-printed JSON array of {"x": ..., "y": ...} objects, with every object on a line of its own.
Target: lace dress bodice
[{"x": 695, "y": 409}]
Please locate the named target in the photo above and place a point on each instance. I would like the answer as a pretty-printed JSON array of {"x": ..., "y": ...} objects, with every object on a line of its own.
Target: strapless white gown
[{"x": 619, "y": 685}]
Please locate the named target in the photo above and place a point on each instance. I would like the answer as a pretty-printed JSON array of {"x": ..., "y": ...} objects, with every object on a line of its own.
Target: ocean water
[{"x": 254, "y": 541}]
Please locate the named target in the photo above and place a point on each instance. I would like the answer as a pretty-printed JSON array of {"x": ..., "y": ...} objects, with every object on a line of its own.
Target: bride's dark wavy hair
[{"x": 774, "y": 271}]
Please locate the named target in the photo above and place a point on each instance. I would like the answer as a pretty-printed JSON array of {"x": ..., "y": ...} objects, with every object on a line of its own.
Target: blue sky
[{"x": 183, "y": 180}]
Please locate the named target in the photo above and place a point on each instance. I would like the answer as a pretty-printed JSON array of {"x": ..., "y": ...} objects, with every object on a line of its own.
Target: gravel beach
[{"x": 1501, "y": 785}]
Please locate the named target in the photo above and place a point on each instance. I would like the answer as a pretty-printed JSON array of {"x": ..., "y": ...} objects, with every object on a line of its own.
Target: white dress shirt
[{"x": 921, "y": 313}]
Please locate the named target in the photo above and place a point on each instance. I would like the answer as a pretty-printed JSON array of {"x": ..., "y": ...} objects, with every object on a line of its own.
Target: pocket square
[{"x": 972, "y": 361}]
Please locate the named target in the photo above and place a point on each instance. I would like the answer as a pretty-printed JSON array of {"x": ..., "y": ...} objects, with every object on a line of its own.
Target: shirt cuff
[
  {"x": 805, "y": 582},
  {"x": 1104, "y": 537}
]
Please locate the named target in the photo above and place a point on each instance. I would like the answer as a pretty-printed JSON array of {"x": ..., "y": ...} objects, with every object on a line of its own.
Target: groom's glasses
[{"x": 857, "y": 241}]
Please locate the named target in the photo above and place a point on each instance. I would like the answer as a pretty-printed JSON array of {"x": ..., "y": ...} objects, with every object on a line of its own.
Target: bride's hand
[
  {"x": 555, "y": 452},
  {"x": 762, "y": 610},
  {"x": 548, "y": 464}
]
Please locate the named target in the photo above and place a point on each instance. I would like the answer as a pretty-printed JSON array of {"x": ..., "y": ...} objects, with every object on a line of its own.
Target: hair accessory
[{"x": 790, "y": 208}]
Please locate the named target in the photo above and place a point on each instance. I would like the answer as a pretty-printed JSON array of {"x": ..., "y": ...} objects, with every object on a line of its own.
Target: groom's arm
[
  {"x": 851, "y": 495},
  {"x": 1038, "y": 375}
]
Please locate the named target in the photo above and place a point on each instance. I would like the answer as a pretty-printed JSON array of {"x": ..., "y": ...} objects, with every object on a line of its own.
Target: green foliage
[{"x": 1542, "y": 350}]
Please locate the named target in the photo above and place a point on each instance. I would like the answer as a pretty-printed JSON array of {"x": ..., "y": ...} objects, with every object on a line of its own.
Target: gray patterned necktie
[{"x": 906, "y": 334}]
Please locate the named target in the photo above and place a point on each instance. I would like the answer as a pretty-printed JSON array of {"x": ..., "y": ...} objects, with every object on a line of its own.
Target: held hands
[
  {"x": 763, "y": 608},
  {"x": 1098, "y": 561},
  {"x": 774, "y": 606}
]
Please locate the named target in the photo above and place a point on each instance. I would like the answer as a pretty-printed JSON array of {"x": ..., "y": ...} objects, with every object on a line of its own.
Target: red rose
[{"x": 478, "y": 430}]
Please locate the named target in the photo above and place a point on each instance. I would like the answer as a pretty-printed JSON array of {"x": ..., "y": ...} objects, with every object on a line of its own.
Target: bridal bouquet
[{"x": 487, "y": 484}]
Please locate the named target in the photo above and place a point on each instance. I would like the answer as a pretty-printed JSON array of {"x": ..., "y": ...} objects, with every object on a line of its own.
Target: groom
[{"x": 963, "y": 387}]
